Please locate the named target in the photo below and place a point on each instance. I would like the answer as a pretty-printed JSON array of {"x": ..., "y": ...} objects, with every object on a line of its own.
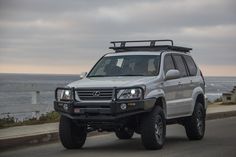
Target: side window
[
  {"x": 191, "y": 65},
  {"x": 180, "y": 65},
  {"x": 168, "y": 63}
]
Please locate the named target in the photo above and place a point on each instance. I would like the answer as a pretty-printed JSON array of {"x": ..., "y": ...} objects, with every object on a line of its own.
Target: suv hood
[{"x": 111, "y": 81}]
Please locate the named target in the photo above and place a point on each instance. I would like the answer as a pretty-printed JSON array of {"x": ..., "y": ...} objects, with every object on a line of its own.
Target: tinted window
[
  {"x": 180, "y": 65},
  {"x": 168, "y": 63},
  {"x": 191, "y": 65}
]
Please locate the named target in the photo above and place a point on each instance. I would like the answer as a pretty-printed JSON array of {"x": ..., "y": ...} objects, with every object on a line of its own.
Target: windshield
[{"x": 128, "y": 65}]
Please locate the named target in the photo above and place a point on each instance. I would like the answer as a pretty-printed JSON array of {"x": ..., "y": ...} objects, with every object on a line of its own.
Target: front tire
[
  {"x": 195, "y": 125},
  {"x": 72, "y": 136},
  {"x": 153, "y": 129}
]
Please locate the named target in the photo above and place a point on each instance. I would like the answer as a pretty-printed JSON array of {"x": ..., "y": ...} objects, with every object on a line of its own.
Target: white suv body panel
[{"x": 179, "y": 95}]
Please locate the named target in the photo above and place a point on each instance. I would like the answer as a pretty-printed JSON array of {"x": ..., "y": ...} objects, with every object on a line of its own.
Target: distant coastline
[
  {"x": 16, "y": 91},
  {"x": 61, "y": 74}
]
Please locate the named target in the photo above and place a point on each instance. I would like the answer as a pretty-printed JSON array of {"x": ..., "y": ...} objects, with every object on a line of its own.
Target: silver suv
[{"x": 141, "y": 87}]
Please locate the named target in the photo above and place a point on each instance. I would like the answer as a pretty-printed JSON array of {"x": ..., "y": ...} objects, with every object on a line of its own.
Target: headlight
[
  {"x": 132, "y": 93},
  {"x": 66, "y": 95}
]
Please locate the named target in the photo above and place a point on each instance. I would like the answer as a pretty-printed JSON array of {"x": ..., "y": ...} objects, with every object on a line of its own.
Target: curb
[
  {"x": 219, "y": 115},
  {"x": 34, "y": 140},
  {"x": 53, "y": 136},
  {"x": 28, "y": 140}
]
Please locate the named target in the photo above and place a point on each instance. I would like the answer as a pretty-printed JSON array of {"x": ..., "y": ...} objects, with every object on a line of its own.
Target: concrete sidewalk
[{"x": 32, "y": 134}]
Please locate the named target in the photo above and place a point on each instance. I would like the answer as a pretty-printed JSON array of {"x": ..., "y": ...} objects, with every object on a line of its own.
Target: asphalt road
[{"x": 220, "y": 140}]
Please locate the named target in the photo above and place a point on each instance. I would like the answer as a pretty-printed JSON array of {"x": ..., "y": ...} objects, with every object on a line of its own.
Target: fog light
[
  {"x": 65, "y": 106},
  {"x": 123, "y": 106}
]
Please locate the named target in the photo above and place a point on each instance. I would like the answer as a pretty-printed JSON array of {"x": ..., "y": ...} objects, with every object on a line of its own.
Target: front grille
[{"x": 95, "y": 94}]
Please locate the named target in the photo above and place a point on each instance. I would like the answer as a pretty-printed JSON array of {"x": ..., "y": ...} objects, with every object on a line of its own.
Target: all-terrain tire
[
  {"x": 71, "y": 135},
  {"x": 153, "y": 129},
  {"x": 195, "y": 125},
  {"x": 124, "y": 133}
]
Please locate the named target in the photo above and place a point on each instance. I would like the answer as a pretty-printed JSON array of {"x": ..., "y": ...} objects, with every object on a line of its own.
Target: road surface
[{"x": 220, "y": 140}]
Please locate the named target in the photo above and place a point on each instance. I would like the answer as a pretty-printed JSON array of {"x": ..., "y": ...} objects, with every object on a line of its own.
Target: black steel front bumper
[{"x": 99, "y": 111}]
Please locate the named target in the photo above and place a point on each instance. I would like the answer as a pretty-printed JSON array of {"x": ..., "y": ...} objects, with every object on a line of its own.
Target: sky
[{"x": 69, "y": 36}]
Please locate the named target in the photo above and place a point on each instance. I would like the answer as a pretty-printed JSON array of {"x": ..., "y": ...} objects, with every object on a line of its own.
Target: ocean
[{"x": 16, "y": 92}]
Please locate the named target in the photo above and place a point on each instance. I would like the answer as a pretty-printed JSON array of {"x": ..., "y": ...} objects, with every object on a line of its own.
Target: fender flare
[
  {"x": 158, "y": 96},
  {"x": 196, "y": 92}
]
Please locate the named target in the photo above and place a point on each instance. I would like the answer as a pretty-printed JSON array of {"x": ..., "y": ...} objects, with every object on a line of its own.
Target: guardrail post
[{"x": 35, "y": 96}]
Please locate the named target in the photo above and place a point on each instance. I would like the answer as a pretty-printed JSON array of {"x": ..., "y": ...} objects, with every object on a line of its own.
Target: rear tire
[
  {"x": 124, "y": 133},
  {"x": 153, "y": 129},
  {"x": 195, "y": 125},
  {"x": 72, "y": 136}
]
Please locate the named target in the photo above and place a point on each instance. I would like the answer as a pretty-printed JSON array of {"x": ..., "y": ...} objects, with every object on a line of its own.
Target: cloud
[{"x": 77, "y": 33}]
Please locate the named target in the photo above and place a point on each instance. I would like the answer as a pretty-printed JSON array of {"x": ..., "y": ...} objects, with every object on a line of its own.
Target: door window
[
  {"x": 168, "y": 63},
  {"x": 180, "y": 65},
  {"x": 191, "y": 65}
]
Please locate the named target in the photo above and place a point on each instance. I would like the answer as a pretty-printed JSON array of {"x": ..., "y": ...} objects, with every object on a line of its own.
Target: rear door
[{"x": 192, "y": 70}]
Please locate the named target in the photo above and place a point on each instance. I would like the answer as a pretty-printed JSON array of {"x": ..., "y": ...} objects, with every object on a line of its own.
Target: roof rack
[{"x": 151, "y": 45}]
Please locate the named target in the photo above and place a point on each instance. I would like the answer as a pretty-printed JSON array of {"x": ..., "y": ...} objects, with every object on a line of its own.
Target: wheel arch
[
  {"x": 159, "y": 96},
  {"x": 198, "y": 96},
  {"x": 160, "y": 101}
]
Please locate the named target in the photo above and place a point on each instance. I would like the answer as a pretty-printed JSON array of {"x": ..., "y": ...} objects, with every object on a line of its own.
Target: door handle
[
  {"x": 191, "y": 83},
  {"x": 180, "y": 84}
]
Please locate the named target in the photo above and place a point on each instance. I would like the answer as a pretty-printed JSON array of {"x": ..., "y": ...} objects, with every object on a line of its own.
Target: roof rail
[{"x": 120, "y": 46}]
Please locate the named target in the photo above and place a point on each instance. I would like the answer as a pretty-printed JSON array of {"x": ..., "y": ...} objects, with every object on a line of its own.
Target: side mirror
[
  {"x": 172, "y": 74},
  {"x": 82, "y": 75}
]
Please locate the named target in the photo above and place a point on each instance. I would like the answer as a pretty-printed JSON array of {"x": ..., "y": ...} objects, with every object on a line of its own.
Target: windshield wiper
[
  {"x": 97, "y": 75},
  {"x": 132, "y": 75},
  {"x": 116, "y": 75}
]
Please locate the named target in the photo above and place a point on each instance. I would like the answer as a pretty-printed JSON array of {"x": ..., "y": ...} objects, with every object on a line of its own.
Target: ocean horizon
[{"x": 16, "y": 91}]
